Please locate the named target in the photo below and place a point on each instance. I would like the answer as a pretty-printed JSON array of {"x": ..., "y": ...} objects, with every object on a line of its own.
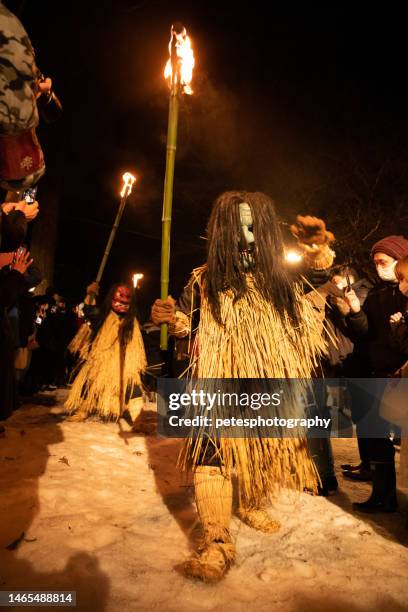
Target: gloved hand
[
  {"x": 164, "y": 311},
  {"x": 311, "y": 231},
  {"x": 314, "y": 239},
  {"x": 341, "y": 304},
  {"x": 93, "y": 288}
]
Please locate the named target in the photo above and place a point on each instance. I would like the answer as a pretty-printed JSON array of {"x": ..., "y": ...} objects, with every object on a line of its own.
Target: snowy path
[{"x": 105, "y": 513}]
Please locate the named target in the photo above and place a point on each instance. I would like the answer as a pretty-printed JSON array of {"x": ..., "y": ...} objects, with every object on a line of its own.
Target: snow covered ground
[{"x": 104, "y": 512}]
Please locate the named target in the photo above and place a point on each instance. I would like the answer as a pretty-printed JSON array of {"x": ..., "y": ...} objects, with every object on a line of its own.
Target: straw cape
[
  {"x": 255, "y": 342},
  {"x": 80, "y": 343},
  {"x": 110, "y": 373}
]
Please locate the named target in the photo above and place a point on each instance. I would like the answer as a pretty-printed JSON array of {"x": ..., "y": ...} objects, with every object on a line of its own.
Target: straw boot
[
  {"x": 143, "y": 421},
  {"x": 213, "y": 494},
  {"x": 255, "y": 516}
]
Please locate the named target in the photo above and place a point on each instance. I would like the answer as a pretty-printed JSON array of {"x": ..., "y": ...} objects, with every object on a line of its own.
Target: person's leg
[
  {"x": 361, "y": 406},
  {"x": 381, "y": 451},
  {"x": 213, "y": 496},
  {"x": 361, "y": 471},
  {"x": 364, "y": 451},
  {"x": 320, "y": 447},
  {"x": 322, "y": 455},
  {"x": 8, "y": 393},
  {"x": 383, "y": 497},
  {"x": 254, "y": 515}
]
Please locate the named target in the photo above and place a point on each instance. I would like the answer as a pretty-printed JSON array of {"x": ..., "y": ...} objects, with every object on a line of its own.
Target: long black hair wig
[{"x": 226, "y": 243}]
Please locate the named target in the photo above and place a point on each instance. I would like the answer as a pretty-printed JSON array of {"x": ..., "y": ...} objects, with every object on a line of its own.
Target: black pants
[
  {"x": 8, "y": 395},
  {"x": 372, "y": 431},
  {"x": 320, "y": 447}
]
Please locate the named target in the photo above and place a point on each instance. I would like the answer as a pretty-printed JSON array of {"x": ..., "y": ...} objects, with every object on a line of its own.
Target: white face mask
[
  {"x": 387, "y": 273},
  {"x": 245, "y": 214}
]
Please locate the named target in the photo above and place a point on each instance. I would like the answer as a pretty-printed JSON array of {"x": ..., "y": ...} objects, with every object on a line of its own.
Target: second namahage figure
[
  {"x": 250, "y": 321},
  {"x": 111, "y": 356}
]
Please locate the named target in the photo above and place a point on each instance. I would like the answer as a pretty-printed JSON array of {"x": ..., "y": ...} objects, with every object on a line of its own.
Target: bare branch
[{"x": 374, "y": 229}]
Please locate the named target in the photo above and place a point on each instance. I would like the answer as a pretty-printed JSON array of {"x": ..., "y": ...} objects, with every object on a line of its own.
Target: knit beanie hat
[{"x": 394, "y": 246}]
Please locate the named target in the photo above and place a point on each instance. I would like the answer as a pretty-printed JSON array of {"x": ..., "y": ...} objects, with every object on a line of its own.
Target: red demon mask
[{"x": 121, "y": 300}]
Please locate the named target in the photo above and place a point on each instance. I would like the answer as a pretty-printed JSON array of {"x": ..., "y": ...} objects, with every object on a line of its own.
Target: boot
[
  {"x": 135, "y": 407},
  {"x": 213, "y": 495},
  {"x": 253, "y": 515},
  {"x": 322, "y": 454},
  {"x": 330, "y": 482},
  {"x": 352, "y": 467},
  {"x": 145, "y": 423},
  {"x": 384, "y": 494},
  {"x": 362, "y": 474},
  {"x": 258, "y": 519}
]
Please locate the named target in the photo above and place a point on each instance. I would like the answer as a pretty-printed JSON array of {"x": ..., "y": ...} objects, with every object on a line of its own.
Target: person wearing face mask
[
  {"x": 344, "y": 356},
  {"x": 370, "y": 323},
  {"x": 399, "y": 329},
  {"x": 250, "y": 322},
  {"x": 112, "y": 357}
]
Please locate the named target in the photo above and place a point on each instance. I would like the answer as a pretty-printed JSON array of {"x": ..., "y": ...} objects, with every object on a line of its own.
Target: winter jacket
[{"x": 372, "y": 325}]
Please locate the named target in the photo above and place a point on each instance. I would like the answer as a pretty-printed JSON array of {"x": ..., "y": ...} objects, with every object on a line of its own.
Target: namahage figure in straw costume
[
  {"x": 251, "y": 321},
  {"x": 112, "y": 357}
]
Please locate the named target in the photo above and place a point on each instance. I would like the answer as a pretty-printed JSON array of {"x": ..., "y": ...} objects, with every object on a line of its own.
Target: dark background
[{"x": 308, "y": 104}]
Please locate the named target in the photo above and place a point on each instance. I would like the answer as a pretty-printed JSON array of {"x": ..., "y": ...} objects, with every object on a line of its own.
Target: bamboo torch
[
  {"x": 128, "y": 180},
  {"x": 178, "y": 72}
]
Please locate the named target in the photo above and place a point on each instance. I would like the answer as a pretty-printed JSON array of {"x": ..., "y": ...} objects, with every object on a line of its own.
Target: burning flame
[
  {"x": 180, "y": 44},
  {"x": 136, "y": 279},
  {"x": 128, "y": 180},
  {"x": 293, "y": 257}
]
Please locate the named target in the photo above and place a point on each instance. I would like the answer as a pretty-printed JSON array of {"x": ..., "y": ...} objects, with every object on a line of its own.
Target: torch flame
[
  {"x": 128, "y": 180},
  {"x": 136, "y": 279},
  {"x": 184, "y": 62},
  {"x": 293, "y": 257}
]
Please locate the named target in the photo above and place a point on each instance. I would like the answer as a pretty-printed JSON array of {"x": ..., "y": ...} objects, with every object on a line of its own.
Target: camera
[{"x": 29, "y": 195}]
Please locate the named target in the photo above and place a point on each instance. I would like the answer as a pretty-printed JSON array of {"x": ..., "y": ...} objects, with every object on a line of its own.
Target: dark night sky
[{"x": 278, "y": 99}]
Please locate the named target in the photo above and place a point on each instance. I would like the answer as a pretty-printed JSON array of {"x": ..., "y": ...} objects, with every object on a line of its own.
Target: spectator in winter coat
[{"x": 371, "y": 322}]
